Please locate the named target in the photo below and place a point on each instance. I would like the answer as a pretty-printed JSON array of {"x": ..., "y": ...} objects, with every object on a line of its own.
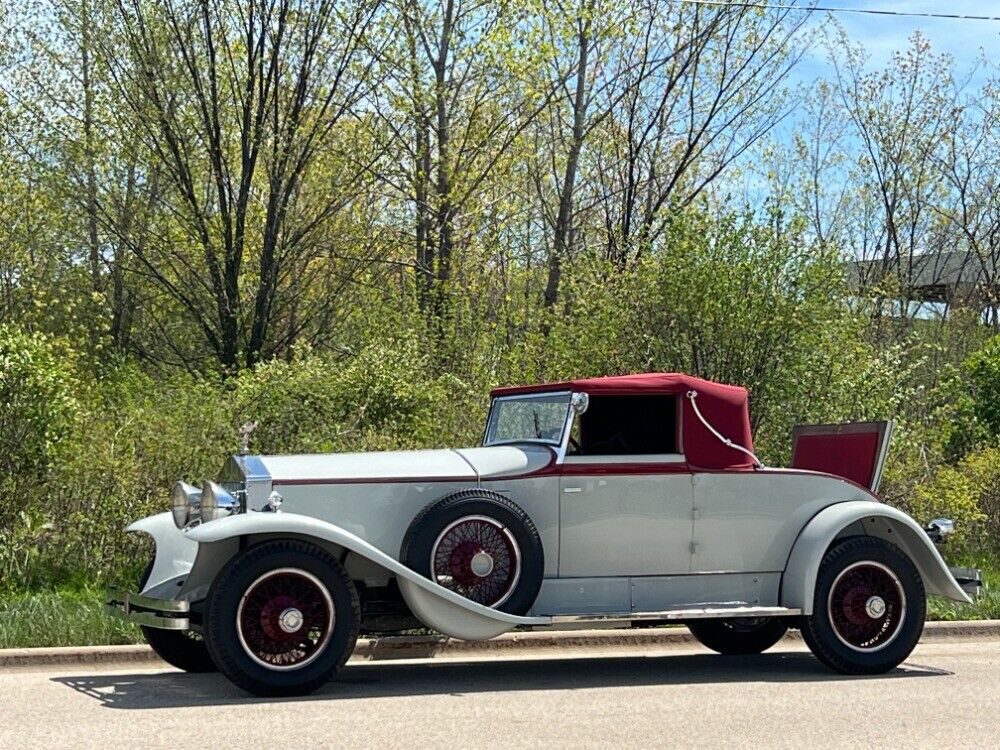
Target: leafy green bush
[
  {"x": 968, "y": 493},
  {"x": 133, "y": 435},
  {"x": 381, "y": 398},
  {"x": 729, "y": 299},
  {"x": 37, "y": 405},
  {"x": 38, "y": 418},
  {"x": 983, "y": 368}
]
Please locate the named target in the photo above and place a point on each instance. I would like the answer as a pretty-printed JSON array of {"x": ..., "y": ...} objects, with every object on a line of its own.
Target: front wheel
[
  {"x": 868, "y": 609},
  {"x": 282, "y": 618},
  {"x": 183, "y": 649},
  {"x": 738, "y": 635}
]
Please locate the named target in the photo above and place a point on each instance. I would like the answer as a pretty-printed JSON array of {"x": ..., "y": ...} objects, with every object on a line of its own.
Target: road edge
[{"x": 423, "y": 647}]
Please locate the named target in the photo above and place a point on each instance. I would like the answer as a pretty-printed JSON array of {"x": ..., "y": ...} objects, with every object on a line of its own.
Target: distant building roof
[{"x": 933, "y": 276}]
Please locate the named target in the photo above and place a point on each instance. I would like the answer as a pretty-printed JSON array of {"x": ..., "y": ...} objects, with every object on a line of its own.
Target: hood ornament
[{"x": 245, "y": 431}]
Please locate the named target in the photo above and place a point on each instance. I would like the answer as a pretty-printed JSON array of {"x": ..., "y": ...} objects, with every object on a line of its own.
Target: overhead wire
[{"x": 832, "y": 9}]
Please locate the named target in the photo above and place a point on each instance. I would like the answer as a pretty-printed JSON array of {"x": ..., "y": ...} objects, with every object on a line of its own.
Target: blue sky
[{"x": 882, "y": 35}]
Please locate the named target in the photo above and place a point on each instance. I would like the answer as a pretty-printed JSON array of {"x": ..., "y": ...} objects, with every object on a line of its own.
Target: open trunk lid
[{"x": 854, "y": 450}]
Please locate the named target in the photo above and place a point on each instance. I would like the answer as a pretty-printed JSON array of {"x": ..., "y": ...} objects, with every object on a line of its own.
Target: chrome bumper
[
  {"x": 166, "y": 614},
  {"x": 970, "y": 579}
]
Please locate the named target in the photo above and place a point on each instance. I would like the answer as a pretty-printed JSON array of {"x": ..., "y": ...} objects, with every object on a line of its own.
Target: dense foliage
[{"x": 347, "y": 220}]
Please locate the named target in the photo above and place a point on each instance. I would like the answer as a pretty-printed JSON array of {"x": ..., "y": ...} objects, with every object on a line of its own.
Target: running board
[{"x": 702, "y": 612}]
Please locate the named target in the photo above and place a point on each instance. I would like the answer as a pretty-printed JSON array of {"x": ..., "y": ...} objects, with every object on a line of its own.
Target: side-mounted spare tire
[{"x": 481, "y": 545}]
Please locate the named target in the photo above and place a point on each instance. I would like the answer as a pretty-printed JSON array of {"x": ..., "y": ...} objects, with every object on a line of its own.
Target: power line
[{"x": 826, "y": 9}]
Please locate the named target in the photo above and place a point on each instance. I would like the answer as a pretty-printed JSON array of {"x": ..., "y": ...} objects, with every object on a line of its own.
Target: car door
[{"x": 624, "y": 517}]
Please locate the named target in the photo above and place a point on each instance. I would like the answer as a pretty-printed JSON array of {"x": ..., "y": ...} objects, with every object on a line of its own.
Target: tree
[
  {"x": 457, "y": 99},
  {"x": 235, "y": 103},
  {"x": 900, "y": 118},
  {"x": 679, "y": 93}
]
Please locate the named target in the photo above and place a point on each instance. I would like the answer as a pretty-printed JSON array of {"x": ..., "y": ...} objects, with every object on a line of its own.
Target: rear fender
[
  {"x": 873, "y": 519},
  {"x": 435, "y": 606}
]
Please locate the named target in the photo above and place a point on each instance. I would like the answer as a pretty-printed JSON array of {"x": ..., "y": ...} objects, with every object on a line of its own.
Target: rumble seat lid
[{"x": 855, "y": 450}]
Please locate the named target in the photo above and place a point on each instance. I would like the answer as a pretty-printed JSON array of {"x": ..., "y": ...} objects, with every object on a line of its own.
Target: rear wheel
[
  {"x": 868, "y": 609},
  {"x": 282, "y": 618},
  {"x": 738, "y": 635},
  {"x": 184, "y": 649}
]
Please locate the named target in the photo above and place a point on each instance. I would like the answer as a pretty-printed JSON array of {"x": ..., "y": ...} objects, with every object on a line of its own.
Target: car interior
[{"x": 626, "y": 425}]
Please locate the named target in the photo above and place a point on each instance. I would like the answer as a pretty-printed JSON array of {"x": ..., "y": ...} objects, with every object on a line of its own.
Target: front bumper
[{"x": 166, "y": 614}]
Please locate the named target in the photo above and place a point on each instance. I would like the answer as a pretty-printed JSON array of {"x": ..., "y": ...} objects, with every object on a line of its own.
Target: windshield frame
[{"x": 555, "y": 444}]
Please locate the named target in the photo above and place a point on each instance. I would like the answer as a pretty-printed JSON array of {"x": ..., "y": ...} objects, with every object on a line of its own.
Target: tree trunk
[
  {"x": 87, "y": 64},
  {"x": 564, "y": 219}
]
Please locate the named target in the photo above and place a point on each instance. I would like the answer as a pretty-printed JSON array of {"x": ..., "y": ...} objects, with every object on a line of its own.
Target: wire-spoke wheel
[
  {"x": 477, "y": 557},
  {"x": 480, "y": 545},
  {"x": 282, "y": 618},
  {"x": 868, "y": 607},
  {"x": 285, "y": 619}
]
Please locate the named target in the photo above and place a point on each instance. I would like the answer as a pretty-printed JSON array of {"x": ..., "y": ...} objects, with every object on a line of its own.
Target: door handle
[{"x": 568, "y": 490}]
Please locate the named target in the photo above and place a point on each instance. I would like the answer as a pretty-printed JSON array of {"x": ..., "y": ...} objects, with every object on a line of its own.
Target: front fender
[
  {"x": 874, "y": 519},
  {"x": 175, "y": 552},
  {"x": 434, "y": 605}
]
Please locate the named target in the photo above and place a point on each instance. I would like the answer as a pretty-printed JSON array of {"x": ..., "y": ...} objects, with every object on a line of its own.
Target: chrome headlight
[
  {"x": 217, "y": 502},
  {"x": 185, "y": 501}
]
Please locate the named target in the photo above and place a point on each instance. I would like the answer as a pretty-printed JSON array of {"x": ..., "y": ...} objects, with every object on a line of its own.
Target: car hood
[{"x": 465, "y": 464}]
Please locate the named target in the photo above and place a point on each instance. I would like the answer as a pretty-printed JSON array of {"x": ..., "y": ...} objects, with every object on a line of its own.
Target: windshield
[{"x": 536, "y": 418}]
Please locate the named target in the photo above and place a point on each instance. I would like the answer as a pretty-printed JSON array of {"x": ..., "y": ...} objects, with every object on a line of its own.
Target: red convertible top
[{"x": 726, "y": 407}]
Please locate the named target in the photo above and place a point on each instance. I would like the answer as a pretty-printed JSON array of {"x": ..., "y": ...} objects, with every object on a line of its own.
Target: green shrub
[
  {"x": 731, "y": 300},
  {"x": 37, "y": 406},
  {"x": 38, "y": 418},
  {"x": 983, "y": 368},
  {"x": 968, "y": 493},
  {"x": 382, "y": 398}
]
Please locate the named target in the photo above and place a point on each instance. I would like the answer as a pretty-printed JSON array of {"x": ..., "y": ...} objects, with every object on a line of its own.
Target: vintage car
[{"x": 616, "y": 500}]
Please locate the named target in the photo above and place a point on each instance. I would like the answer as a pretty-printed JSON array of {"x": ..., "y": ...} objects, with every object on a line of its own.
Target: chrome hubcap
[
  {"x": 875, "y": 607},
  {"x": 290, "y": 620},
  {"x": 481, "y": 564}
]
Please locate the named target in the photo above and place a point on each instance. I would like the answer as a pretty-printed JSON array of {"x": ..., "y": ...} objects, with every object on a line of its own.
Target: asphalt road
[{"x": 946, "y": 696}]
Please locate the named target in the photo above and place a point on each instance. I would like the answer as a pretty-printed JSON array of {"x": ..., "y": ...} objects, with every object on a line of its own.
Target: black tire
[
  {"x": 516, "y": 585},
  {"x": 739, "y": 635},
  {"x": 271, "y": 570},
  {"x": 857, "y": 579},
  {"x": 183, "y": 649}
]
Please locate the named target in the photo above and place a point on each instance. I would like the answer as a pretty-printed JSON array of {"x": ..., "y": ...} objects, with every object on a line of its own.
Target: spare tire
[{"x": 481, "y": 545}]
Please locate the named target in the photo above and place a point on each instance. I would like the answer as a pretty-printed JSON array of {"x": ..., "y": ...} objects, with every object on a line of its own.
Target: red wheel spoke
[
  {"x": 866, "y": 606},
  {"x": 471, "y": 546},
  {"x": 285, "y": 619}
]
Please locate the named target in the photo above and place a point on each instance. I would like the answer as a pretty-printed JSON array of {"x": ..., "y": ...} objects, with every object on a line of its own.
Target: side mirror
[{"x": 580, "y": 402}]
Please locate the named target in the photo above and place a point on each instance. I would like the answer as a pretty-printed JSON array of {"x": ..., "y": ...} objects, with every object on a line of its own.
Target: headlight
[
  {"x": 185, "y": 500},
  {"x": 216, "y": 502}
]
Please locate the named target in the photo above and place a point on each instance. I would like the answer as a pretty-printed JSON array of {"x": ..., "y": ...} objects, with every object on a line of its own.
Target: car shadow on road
[{"x": 386, "y": 679}]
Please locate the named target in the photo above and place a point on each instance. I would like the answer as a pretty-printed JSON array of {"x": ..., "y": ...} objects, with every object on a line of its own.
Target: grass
[
  {"x": 76, "y": 617},
  {"x": 986, "y": 607},
  {"x": 61, "y": 618}
]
